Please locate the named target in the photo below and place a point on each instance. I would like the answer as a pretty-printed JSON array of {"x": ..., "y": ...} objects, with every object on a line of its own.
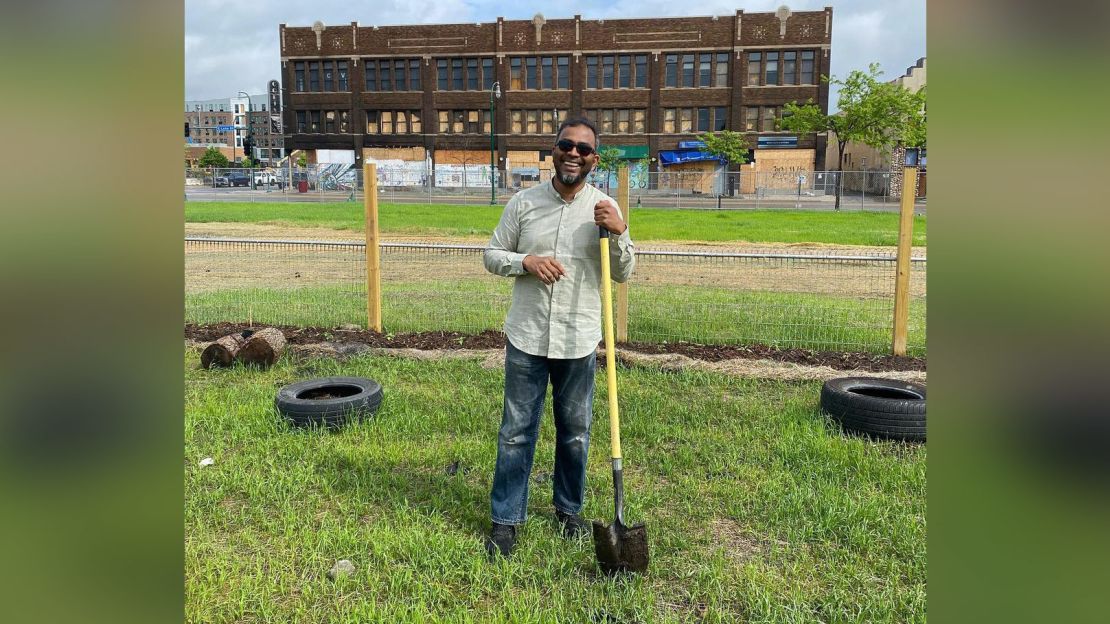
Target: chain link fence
[
  {"x": 811, "y": 299},
  {"x": 471, "y": 184}
]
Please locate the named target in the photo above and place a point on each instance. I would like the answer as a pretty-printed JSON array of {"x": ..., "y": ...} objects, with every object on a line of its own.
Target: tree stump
[
  {"x": 223, "y": 351},
  {"x": 262, "y": 348}
]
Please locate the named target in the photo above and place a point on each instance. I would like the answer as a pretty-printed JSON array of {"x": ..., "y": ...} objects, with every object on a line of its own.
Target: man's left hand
[{"x": 607, "y": 216}]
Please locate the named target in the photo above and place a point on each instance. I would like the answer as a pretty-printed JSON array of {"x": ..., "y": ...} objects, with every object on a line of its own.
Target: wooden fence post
[
  {"x": 905, "y": 248},
  {"x": 373, "y": 253},
  {"x": 623, "y": 199}
]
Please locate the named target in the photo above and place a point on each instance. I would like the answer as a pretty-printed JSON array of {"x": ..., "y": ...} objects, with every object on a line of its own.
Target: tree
[
  {"x": 729, "y": 145},
  {"x": 212, "y": 158},
  {"x": 609, "y": 159},
  {"x": 876, "y": 113},
  {"x": 247, "y": 163}
]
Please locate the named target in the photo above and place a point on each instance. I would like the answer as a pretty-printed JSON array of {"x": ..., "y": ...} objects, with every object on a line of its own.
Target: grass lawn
[
  {"x": 656, "y": 313},
  {"x": 650, "y": 224},
  {"x": 757, "y": 508}
]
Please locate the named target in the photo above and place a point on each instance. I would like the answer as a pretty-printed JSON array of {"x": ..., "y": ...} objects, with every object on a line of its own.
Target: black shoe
[
  {"x": 573, "y": 525},
  {"x": 501, "y": 540}
]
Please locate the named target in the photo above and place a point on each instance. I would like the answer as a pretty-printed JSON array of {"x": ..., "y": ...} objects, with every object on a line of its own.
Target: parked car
[
  {"x": 266, "y": 177},
  {"x": 220, "y": 180},
  {"x": 238, "y": 178}
]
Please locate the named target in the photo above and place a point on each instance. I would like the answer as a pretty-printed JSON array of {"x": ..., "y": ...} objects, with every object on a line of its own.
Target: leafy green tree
[
  {"x": 732, "y": 146},
  {"x": 609, "y": 160},
  {"x": 302, "y": 159},
  {"x": 873, "y": 112},
  {"x": 247, "y": 163},
  {"x": 212, "y": 158}
]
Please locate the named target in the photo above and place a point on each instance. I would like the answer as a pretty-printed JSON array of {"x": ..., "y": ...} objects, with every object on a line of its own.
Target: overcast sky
[{"x": 233, "y": 46}]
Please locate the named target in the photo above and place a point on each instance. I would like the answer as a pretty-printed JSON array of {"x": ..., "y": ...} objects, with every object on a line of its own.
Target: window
[
  {"x": 315, "y": 125},
  {"x": 767, "y": 120},
  {"x": 591, "y": 72},
  {"x": 385, "y": 75},
  {"x": 703, "y": 120},
  {"x": 441, "y": 74},
  {"x": 457, "y": 74},
  {"x": 668, "y": 120},
  {"x": 330, "y": 119},
  {"x": 387, "y": 122},
  {"x": 721, "y": 79},
  {"x": 687, "y": 78},
  {"x": 639, "y": 117},
  {"x": 789, "y": 68},
  {"x": 641, "y": 71},
  {"x": 472, "y": 77},
  {"x": 515, "y": 121},
  {"x": 531, "y": 122},
  {"x": 671, "y": 79},
  {"x": 329, "y": 76},
  {"x": 607, "y": 121},
  {"x": 444, "y": 124},
  {"x": 754, "y": 67},
  {"x": 313, "y": 76},
  {"x": 622, "y": 121},
  {"x": 685, "y": 119},
  {"x": 399, "y": 75},
  {"x": 807, "y": 67},
  {"x": 414, "y": 75},
  {"x": 705, "y": 69},
  {"x": 487, "y": 74},
  {"x": 563, "y": 72},
  {"x": 720, "y": 118},
  {"x": 530, "y": 81},
  {"x": 485, "y": 122},
  {"x": 607, "y": 72},
  {"x": 299, "y": 72},
  {"x": 400, "y": 123},
  {"x": 516, "y": 74},
  {"x": 302, "y": 122},
  {"x": 546, "y": 118},
  {"x": 472, "y": 122},
  {"x": 624, "y": 71},
  {"x": 414, "y": 122},
  {"x": 458, "y": 121},
  {"x": 547, "y": 72},
  {"x": 772, "y": 68}
]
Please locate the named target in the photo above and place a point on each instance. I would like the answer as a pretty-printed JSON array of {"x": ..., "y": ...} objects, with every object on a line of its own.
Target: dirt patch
[{"x": 349, "y": 340}]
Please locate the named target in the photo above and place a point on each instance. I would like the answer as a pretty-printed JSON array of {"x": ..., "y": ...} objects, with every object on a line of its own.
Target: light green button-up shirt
[{"x": 562, "y": 320}]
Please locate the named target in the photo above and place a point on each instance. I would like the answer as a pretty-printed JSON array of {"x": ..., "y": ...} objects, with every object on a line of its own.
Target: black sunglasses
[{"x": 584, "y": 149}]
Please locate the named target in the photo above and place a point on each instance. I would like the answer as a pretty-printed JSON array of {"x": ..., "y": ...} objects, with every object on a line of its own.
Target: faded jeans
[{"x": 572, "y": 385}]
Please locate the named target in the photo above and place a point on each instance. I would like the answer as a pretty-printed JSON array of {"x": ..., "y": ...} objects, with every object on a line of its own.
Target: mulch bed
[{"x": 496, "y": 340}]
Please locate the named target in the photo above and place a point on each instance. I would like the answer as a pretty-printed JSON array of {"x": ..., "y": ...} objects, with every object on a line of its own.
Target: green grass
[
  {"x": 657, "y": 313},
  {"x": 654, "y": 224},
  {"x": 757, "y": 508}
]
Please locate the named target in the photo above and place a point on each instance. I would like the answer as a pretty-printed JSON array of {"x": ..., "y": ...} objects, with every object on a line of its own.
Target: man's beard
[{"x": 571, "y": 180}]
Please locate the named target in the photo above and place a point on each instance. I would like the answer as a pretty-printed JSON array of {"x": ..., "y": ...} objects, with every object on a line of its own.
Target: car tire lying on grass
[
  {"x": 328, "y": 401},
  {"x": 883, "y": 408}
]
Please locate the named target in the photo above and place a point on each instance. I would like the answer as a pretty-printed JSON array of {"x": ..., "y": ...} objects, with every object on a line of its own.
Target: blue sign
[
  {"x": 777, "y": 141},
  {"x": 691, "y": 145},
  {"x": 224, "y": 128}
]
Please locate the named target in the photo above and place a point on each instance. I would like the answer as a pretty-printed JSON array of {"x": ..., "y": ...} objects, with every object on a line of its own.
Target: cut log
[
  {"x": 262, "y": 348},
  {"x": 223, "y": 351}
]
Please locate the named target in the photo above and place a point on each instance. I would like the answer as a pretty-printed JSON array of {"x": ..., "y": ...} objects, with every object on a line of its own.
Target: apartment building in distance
[
  {"x": 224, "y": 123},
  {"x": 425, "y": 93}
]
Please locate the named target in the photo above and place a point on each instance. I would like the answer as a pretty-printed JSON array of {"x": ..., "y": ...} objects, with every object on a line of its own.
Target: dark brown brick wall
[{"x": 735, "y": 34}]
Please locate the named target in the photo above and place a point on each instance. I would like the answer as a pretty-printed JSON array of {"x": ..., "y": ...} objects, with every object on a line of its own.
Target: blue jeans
[{"x": 572, "y": 391}]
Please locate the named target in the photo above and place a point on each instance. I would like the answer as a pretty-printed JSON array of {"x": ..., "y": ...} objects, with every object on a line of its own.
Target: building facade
[
  {"x": 423, "y": 93},
  {"x": 226, "y": 122}
]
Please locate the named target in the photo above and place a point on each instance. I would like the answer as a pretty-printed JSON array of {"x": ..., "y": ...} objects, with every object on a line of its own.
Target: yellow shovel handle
[{"x": 610, "y": 357}]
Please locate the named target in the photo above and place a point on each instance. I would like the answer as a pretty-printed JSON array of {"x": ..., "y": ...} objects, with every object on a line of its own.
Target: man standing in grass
[{"x": 547, "y": 240}]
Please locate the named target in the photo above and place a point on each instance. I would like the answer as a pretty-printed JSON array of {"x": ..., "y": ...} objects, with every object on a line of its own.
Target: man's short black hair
[{"x": 578, "y": 121}]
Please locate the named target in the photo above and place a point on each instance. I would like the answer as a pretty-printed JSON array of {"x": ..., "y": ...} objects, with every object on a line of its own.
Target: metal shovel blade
[{"x": 620, "y": 548}]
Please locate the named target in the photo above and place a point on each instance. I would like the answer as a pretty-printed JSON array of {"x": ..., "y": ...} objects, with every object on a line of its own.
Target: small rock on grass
[
  {"x": 343, "y": 567},
  {"x": 207, "y": 461}
]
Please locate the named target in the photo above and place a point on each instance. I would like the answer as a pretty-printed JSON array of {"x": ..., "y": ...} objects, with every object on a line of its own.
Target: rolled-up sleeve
[
  {"x": 501, "y": 256},
  {"x": 622, "y": 255}
]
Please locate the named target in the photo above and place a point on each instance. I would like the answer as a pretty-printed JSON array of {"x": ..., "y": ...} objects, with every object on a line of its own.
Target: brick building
[
  {"x": 225, "y": 122},
  {"x": 422, "y": 93}
]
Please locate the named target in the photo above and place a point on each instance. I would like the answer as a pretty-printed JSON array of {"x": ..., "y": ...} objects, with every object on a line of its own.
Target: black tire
[
  {"x": 882, "y": 408},
  {"x": 328, "y": 401}
]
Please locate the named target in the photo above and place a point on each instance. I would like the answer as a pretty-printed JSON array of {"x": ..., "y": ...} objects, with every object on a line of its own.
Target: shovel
[{"x": 619, "y": 548}]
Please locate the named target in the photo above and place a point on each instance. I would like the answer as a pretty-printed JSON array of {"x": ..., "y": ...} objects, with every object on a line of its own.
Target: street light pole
[
  {"x": 248, "y": 116},
  {"x": 494, "y": 92}
]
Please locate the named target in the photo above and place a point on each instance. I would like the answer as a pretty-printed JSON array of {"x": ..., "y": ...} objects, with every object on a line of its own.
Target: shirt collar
[{"x": 557, "y": 196}]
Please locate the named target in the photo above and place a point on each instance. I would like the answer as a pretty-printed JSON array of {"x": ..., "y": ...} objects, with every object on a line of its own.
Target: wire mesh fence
[
  {"x": 809, "y": 299},
  {"x": 472, "y": 184}
]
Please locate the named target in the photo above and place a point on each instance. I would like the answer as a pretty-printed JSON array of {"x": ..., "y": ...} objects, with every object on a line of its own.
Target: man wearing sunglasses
[{"x": 547, "y": 241}]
